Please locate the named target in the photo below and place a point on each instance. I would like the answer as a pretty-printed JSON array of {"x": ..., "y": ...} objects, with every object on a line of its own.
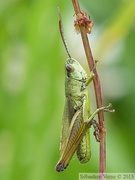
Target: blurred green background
[{"x": 32, "y": 85}]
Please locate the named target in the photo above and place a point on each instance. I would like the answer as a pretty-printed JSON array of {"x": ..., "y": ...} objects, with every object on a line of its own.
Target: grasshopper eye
[{"x": 69, "y": 68}]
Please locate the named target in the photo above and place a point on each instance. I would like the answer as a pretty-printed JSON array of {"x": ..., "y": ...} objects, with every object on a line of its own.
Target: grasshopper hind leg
[{"x": 83, "y": 151}]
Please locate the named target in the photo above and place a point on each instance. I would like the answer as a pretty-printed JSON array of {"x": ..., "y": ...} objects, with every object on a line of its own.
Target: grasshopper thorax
[{"x": 74, "y": 70}]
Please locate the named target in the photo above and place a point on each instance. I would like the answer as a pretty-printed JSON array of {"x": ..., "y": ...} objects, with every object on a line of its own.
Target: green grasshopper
[{"x": 77, "y": 119}]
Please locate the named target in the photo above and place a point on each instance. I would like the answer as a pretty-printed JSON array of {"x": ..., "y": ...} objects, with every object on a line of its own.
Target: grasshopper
[{"x": 77, "y": 119}]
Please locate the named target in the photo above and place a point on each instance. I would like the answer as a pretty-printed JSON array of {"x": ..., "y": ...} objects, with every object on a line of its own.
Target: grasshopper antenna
[{"x": 62, "y": 34}]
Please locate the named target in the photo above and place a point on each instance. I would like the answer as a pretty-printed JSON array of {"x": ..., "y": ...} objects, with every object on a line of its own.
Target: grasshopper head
[{"x": 74, "y": 70}]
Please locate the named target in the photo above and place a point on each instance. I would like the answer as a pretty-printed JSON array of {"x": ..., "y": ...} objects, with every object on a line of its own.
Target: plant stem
[{"x": 97, "y": 88}]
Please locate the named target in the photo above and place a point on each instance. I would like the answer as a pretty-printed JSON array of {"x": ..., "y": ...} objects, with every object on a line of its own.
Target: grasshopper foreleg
[{"x": 90, "y": 77}]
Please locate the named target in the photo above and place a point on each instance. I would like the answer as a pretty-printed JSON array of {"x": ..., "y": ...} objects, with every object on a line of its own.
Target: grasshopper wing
[
  {"x": 77, "y": 129},
  {"x": 66, "y": 121}
]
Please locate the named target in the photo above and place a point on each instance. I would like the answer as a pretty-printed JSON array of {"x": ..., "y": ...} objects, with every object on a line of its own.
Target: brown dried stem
[{"x": 97, "y": 88}]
